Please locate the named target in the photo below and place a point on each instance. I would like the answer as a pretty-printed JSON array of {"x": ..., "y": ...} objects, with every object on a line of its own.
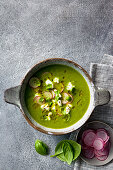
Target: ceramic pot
[{"x": 15, "y": 95}]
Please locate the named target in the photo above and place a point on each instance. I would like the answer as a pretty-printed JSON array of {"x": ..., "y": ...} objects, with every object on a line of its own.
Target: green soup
[{"x": 57, "y": 96}]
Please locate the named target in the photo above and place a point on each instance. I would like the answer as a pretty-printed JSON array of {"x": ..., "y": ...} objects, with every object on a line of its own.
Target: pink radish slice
[
  {"x": 65, "y": 95},
  {"x": 102, "y": 153},
  {"x": 96, "y": 153},
  {"x": 101, "y": 129},
  {"x": 106, "y": 140},
  {"x": 88, "y": 153},
  {"x": 83, "y": 145},
  {"x": 102, "y": 134},
  {"x": 53, "y": 94},
  {"x": 107, "y": 145},
  {"x": 89, "y": 138},
  {"x": 98, "y": 144},
  {"x": 34, "y": 82},
  {"x": 37, "y": 100},
  {"x": 85, "y": 133},
  {"x": 102, "y": 158},
  {"x": 47, "y": 95}
]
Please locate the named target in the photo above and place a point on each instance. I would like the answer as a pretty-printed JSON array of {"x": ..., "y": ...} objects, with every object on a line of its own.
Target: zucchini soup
[{"x": 57, "y": 96}]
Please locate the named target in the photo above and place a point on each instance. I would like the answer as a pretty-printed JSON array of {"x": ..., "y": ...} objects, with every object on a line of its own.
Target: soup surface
[{"x": 57, "y": 96}]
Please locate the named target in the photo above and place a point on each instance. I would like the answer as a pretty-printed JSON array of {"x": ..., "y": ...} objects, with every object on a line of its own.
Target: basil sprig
[{"x": 67, "y": 151}]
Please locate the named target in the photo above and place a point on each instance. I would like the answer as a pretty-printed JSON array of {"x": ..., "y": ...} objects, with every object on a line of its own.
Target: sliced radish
[
  {"x": 34, "y": 82},
  {"x": 53, "y": 94},
  {"x": 102, "y": 158},
  {"x": 89, "y": 138},
  {"x": 83, "y": 145},
  {"x": 88, "y": 153},
  {"x": 65, "y": 96},
  {"x": 46, "y": 75},
  {"x": 47, "y": 95},
  {"x": 106, "y": 140},
  {"x": 102, "y": 134},
  {"x": 98, "y": 144},
  {"x": 102, "y": 152},
  {"x": 37, "y": 100},
  {"x": 107, "y": 145},
  {"x": 96, "y": 153},
  {"x": 95, "y": 143},
  {"x": 85, "y": 133},
  {"x": 59, "y": 87},
  {"x": 101, "y": 129}
]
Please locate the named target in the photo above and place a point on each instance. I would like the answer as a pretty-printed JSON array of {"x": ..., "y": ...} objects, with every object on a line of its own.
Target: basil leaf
[
  {"x": 61, "y": 157},
  {"x": 76, "y": 148},
  {"x": 68, "y": 152},
  {"x": 41, "y": 147},
  {"x": 58, "y": 149}
]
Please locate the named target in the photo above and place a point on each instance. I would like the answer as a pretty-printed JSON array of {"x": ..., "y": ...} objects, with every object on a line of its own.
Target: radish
[
  {"x": 106, "y": 140},
  {"x": 59, "y": 87},
  {"x": 102, "y": 134},
  {"x": 102, "y": 158},
  {"x": 37, "y": 100},
  {"x": 34, "y": 82},
  {"x": 46, "y": 75},
  {"x": 85, "y": 133},
  {"x": 95, "y": 143},
  {"x": 53, "y": 94},
  {"x": 98, "y": 144},
  {"x": 65, "y": 96},
  {"x": 96, "y": 153},
  {"x": 88, "y": 153},
  {"x": 102, "y": 152},
  {"x": 47, "y": 95},
  {"x": 89, "y": 138}
]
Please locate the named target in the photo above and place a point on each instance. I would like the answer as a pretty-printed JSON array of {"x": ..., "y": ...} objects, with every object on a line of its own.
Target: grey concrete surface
[{"x": 33, "y": 30}]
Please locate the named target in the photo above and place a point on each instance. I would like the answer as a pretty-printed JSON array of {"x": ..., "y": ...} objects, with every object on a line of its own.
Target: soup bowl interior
[{"x": 25, "y": 111}]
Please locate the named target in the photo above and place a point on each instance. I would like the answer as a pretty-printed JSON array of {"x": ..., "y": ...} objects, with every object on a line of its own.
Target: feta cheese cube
[
  {"x": 45, "y": 107},
  {"x": 53, "y": 107},
  {"x": 59, "y": 102},
  {"x": 69, "y": 105},
  {"x": 70, "y": 86},
  {"x": 56, "y": 80},
  {"x": 67, "y": 109},
  {"x": 48, "y": 118},
  {"x": 37, "y": 94},
  {"x": 49, "y": 82},
  {"x": 49, "y": 114}
]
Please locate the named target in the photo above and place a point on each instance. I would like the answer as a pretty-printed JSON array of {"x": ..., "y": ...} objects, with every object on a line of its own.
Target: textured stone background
[{"x": 33, "y": 30}]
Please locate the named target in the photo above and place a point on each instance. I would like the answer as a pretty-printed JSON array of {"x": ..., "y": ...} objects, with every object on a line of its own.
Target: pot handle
[
  {"x": 11, "y": 95},
  {"x": 102, "y": 96}
]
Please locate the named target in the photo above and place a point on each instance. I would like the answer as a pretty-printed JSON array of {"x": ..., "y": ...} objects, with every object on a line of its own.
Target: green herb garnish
[
  {"x": 41, "y": 99},
  {"x": 41, "y": 147},
  {"x": 49, "y": 86},
  {"x": 67, "y": 151},
  {"x": 57, "y": 95},
  {"x": 68, "y": 98}
]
